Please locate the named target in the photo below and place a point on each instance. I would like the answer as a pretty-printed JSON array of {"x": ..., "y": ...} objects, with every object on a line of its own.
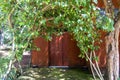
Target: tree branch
[
  {"x": 9, "y": 17},
  {"x": 8, "y": 71}
]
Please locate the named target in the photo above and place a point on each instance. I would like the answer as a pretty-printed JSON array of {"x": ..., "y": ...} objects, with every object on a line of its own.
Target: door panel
[
  {"x": 40, "y": 58},
  {"x": 56, "y": 54},
  {"x": 64, "y": 51},
  {"x": 71, "y": 51}
]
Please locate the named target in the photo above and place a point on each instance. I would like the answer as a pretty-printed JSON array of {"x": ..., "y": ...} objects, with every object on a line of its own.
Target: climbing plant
[{"x": 27, "y": 19}]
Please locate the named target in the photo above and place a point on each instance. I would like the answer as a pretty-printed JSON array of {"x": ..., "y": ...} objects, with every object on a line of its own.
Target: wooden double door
[{"x": 60, "y": 51}]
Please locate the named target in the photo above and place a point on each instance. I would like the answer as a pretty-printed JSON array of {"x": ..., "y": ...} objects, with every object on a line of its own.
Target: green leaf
[{"x": 43, "y": 22}]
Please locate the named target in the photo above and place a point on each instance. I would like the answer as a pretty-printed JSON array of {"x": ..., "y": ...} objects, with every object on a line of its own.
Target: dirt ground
[{"x": 55, "y": 74}]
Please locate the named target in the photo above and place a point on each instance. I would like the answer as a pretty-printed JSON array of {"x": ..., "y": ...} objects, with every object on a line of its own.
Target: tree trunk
[{"x": 112, "y": 51}]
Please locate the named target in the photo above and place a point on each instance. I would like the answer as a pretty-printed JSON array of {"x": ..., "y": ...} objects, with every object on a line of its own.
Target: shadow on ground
[{"x": 55, "y": 74}]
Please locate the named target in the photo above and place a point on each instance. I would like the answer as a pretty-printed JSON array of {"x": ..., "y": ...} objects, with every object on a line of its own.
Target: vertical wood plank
[
  {"x": 40, "y": 58},
  {"x": 56, "y": 51}
]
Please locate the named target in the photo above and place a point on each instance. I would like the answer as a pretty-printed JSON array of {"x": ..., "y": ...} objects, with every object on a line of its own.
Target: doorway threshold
[{"x": 58, "y": 66}]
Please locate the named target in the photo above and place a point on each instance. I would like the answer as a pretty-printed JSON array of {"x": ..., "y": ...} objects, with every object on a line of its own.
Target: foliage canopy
[{"x": 27, "y": 19}]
